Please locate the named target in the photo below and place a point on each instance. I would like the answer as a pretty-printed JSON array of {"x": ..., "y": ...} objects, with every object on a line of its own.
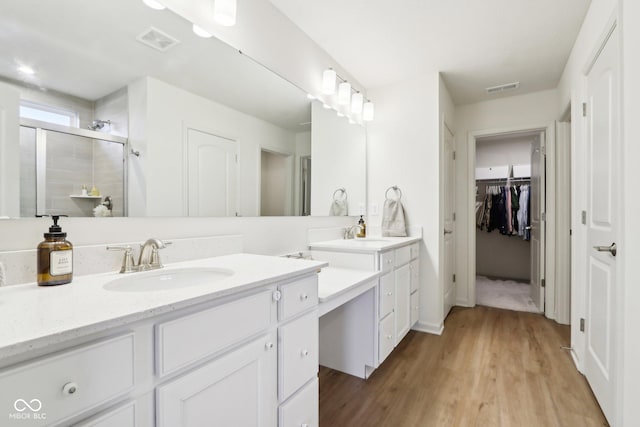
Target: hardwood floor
[{"x": 491, "y": 367}]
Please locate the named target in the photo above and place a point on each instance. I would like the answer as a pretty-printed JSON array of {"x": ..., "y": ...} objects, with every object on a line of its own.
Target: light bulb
[
  {"x": 356, "y": 103},
  {"x": 329, "y": 82},
  {"x": 154, "y": 4},
  {"x": 224, "y": 12},
  {"x": 201, "y": 32},
  {"x": 344, "y": 93},
  {"x": 367, "y": 111}
]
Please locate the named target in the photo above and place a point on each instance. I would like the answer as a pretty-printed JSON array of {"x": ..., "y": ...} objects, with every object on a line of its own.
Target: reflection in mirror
[{"x": 215, "y": 133}]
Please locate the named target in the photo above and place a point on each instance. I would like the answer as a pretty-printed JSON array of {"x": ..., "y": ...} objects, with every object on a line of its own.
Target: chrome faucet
[
  {"x": 349, "y": 231},
  {"x": 149, "y": 258}
]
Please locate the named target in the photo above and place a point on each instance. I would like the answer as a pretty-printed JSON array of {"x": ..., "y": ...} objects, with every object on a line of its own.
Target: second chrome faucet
[{"x": 149, "y": 258}]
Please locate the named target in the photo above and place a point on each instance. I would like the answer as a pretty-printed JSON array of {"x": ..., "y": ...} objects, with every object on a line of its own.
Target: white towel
[
  {"x": 339, "y": 208},
  {"x": 393, "y": 224}
]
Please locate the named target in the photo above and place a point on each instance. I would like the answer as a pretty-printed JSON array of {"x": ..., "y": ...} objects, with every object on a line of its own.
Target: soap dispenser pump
[
  {"x": 363, "y": 228},
  {"x": 55, "y": 257}
]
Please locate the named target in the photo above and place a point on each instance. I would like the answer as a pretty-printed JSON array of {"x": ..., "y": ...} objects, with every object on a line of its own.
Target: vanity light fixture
[
  {"x": 201, "y": 32},
  {"x": 154, "y": 4},
  {"x": 356, "y": 103},
  {"x": 26, "y": 70},
  {"x": 224, "y": 12},
  {"x": 367, "y": 111},
  {"x": 329, "y": 81},
  {"x": 326, "y": 106},
  {"x": 344, "y": 93}
]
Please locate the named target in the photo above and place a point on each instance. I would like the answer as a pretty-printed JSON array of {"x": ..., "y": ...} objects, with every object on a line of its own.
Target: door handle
[
  {"x": 613, "y": 249},
  {"x": 447, "y": 231}
]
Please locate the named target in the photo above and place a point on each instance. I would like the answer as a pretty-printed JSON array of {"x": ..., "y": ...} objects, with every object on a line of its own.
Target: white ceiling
[
  {"x": 90, "y": 51},
  {"x": 474, "y": 43}
]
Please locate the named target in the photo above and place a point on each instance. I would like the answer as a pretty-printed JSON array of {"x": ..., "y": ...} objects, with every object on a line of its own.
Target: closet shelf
[{"x": 80, "y": 196}]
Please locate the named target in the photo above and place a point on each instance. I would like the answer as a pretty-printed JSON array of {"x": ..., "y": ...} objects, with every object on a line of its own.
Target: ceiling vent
[
  {"x": 503, "y": 88},
  {"x": 157, "y": 39}
]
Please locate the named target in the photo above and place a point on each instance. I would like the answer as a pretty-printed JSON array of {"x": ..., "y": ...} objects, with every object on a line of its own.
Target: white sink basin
[{"x": 166, "y": 279}]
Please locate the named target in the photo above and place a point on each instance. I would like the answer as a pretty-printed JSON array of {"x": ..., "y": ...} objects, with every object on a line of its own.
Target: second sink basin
[{"x": 166, "y": 279}]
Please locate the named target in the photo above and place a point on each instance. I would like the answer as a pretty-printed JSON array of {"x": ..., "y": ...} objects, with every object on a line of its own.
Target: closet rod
[{"x": 502, "y": 180}]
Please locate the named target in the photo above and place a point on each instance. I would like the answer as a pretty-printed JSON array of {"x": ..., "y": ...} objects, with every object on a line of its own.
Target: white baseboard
[
  {"x": 465, "y": 304},
  {"x": 429, "y": 328}
]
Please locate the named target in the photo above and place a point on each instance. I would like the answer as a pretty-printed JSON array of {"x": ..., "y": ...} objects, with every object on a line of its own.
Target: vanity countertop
[
  {"x": 366, "y": 245},
  {"x": 334, "y": 281},
  {"x": 33, "y": 316}
]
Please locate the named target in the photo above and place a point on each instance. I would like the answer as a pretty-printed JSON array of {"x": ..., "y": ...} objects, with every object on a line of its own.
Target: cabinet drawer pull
[
  {"x": 304, "y": 297},
  {"x": 304, "y": 353},
  {"x": 268, "y": 345},
  {"x": 69, "y": 388}
]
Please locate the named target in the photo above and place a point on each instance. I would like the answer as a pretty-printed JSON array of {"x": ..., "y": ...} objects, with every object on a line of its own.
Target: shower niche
[{"x": 70, "y": 171}]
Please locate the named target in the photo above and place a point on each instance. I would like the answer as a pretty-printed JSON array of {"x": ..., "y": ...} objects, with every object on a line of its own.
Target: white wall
[
  {"x": 114, "y": 107},
  {"x": 160, "y": 112},
  {"x": 501, "y": 152},
  {"x": 513, "y": 113},
  {"x": 303, "y": 149},
  {"x": 338, "y": 153},
  {"x": 403, "y": 150},
  {"x": 630, "y": 270},
  {"x": 273, "y": 184}
]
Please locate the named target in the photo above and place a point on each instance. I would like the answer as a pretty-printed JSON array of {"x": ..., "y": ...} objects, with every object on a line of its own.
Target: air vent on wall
[
  {"x": 157, "y": 39},
  {"x": 503, "y": 88}
]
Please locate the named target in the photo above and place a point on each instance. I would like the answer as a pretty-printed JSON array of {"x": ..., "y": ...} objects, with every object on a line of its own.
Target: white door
[
  {"x": 9, "y": 151},
  {"x": 237, "y": 389},
  {"x": 603, "y": 203},
  {"x": 449, "y": 224},
  {"x": 536, "y": 212},
  {"x": 211, "y": 175}
]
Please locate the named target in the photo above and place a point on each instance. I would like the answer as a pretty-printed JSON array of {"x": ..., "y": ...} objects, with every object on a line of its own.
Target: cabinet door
[
  {"x": 415, "y": 307},
  {"x": 402, "y": 309},
  {"x": 387, "y": 292},
  {"x": 415, "y": 275},
  {"x": 238, "y": 389},
  {"x": 385, "y": 337}
]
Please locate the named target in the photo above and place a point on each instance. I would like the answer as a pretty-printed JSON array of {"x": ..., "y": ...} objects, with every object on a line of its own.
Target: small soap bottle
[
  {"x": 55, "y": 257},
  {"x": 363, "y": 228}
]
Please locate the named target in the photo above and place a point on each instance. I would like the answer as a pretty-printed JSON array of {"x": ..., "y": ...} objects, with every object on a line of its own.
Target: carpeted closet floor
[{"x": 507, "y": 294}]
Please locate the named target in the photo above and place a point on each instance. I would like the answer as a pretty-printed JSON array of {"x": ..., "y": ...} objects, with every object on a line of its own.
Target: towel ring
[
  {"x": 394, "y": 188},
  {"x": 340, "y": 190}
]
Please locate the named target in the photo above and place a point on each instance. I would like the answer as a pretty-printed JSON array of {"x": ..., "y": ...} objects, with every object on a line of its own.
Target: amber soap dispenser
[{"x": 55, "y": 257}]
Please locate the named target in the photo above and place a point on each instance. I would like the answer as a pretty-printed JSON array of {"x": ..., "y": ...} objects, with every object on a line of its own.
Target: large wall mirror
[{"x": 110, "y": 108}]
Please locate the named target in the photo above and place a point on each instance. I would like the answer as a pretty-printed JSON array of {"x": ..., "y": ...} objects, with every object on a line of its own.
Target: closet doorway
[{"x": 514, "y": 249}]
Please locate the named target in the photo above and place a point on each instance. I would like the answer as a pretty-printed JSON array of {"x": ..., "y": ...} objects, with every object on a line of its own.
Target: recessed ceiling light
[
  {"x": 201, "y": 32},
  {"x": 26, "y": 70},
  {"x": 154, "y": 4}
]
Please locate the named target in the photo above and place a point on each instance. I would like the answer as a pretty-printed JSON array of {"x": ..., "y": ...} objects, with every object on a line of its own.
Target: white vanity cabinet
[{"x": 245, "y": 359}]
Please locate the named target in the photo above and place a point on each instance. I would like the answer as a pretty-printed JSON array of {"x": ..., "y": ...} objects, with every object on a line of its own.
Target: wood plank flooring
[{"x": 491, "y": 367}]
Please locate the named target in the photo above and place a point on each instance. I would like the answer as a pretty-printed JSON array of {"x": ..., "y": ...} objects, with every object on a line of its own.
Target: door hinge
[
  {"x": 543, "y": 150},
  {"x": 583, "y": 217},
  {"x": 581, "y": 325},
  {"x": 584, "y": 109},
  {"x": 454, "y": 278},
  {"x": 454, "y": 155},
  {"x": 543, "y": 283},
  {"x": 543, "y": 216},
  {"x": 454, "y": 216},
  {"x": 570, "y": 232},
  {"x": 236, "y": 158}
]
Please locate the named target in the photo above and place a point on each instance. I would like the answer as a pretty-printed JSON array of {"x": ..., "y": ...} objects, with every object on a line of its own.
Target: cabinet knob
[
  {"x": 388, "y": 337},
  {"x": 304, "y": 425},
  {"x": 389, "y": 293},
  {"x": 304, "y": 353},
  {"x": 277, "y": 295},
  {"x": 304, "y": 297},
  {"x": 268, "y": 345},
  {"x": 69, "y": 388}
]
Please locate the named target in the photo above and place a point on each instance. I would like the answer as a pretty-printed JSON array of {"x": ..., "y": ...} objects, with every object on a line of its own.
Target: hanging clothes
[{"x": 505, "y": 208}]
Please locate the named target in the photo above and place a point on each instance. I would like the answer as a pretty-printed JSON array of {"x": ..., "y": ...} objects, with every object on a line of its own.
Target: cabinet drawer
[
  {"x": 71, "y": 382},
  {"x": 298, "y": 354},
  {"x": 386, "y": 261},
  {"x": 403, "y": 255},
  {"x": 415, "y": 274},
  {"x": 415, "y": 307},
  {"x": 301, "y": 409},
  {"x": 121, "y": 416},
  {"x": 191, "y": 338},
  {"x": 414, "y": 248},
  {"x": 298, "y": 296},
  {"x": 386, "y": 339},
  {"x": 387, "y": 294}
]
